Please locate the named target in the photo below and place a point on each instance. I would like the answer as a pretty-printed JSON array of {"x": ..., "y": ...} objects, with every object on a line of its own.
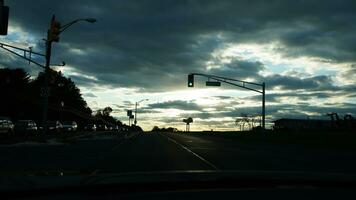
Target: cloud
[
  {"x": 239, "y": 69},
  {"x": 89, "y": 94},
  {"x": 151, "y": 46},
  {"x": 293, "y": 83},
  {"x": 141, "y": 44},
  {"x": 177, "y": 104}
]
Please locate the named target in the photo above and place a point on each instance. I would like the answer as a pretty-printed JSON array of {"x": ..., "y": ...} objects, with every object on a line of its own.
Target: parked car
[
  {"x": 102, "y": 127},
  {"x": 70, "y": 126},
  {"x": 90, "y": 127},
  {"x": 115, "y": 128},
  {"x": 6, "y": 127},
  {"x": 52, "y": 127},
  {"x": 25, "y": 127}
]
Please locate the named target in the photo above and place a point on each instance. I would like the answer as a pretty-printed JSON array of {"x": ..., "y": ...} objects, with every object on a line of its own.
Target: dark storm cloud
[
  {"x": 292, "y": 83},
  {"x": 223, "y": 97},
  {"x": 280, "y": 111},
  {"x": 275, "y": 97},
  {"x": 240, "y": 68},
  {"x": 81, "y": 80},
  {"x": 154, "y": 44},
  {"x": 177, "y": 104}
]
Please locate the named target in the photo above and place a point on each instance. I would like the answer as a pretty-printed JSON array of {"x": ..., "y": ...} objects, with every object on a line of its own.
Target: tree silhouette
[
  {"x": 22, "y": 99},
  {"x": 106, "y": 111},
  {"x": 14, "y": 86}
]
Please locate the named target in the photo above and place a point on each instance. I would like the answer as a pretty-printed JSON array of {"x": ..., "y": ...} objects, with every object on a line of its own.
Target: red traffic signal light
[
  {"x": 54, "y": 31},
  {"x": 191, "y": 80}
]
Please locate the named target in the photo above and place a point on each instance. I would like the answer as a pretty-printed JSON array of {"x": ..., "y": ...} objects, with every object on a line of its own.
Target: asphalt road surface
[{"x": 145, "y": 152}]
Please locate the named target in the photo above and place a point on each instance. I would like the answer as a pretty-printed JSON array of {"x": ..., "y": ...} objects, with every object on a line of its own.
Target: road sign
[
  {"x": 213, "y": 83},
  {"x": 129, "y": 113}
]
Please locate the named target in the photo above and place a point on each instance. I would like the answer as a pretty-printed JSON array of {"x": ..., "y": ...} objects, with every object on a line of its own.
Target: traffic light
[
  {"x": 191, "y": 80},
  {"x": 4, "y": 19},
  {"x": 54, "y": 31}
]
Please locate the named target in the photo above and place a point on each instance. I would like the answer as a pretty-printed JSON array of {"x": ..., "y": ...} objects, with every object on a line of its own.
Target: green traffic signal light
[{"x": 191, "y": 80}]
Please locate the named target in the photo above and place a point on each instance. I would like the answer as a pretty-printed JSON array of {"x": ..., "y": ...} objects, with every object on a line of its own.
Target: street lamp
[
  {"x": 136, "y": 109},
  {"x": 53, "y": 36},
  {"x": 64, "y": 27}
]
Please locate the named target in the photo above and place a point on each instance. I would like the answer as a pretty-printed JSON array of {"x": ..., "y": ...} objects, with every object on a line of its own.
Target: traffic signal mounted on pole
[
  {"x": 191, "y": 80},
  {"x": 54, "y": 31},
  {"x": 4, "y": 18}
]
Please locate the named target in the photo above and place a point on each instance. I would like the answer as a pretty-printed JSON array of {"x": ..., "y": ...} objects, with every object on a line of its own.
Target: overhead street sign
[
  {"x": 213, "y": 83},
  {"x": 129, "y": 113}
]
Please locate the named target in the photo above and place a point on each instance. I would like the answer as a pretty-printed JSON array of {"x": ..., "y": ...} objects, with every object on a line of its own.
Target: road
[{"x": 145, "y": 152}]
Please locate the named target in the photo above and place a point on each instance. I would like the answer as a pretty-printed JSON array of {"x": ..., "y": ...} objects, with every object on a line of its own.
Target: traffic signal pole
[
  {"x": 52, "y": 36},
  {"x": 238, "y": 83},
  {"x": 46, "y": 85},
  {"x": 263, "y": 106},
  {"x": 135, "y": 122}
]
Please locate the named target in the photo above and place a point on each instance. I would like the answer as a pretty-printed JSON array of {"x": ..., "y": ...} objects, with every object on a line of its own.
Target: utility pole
[
  {"x": 46, "y": 74},
  {"x": 135, "y": 122},
  {"x": 52, "y": 36},
  {"x": 136, "y": 104},
  {"x": 263, "y": 106}
]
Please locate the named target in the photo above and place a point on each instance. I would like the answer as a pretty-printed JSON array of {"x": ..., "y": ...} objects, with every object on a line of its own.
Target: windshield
[{"x": 181, "y": 85}]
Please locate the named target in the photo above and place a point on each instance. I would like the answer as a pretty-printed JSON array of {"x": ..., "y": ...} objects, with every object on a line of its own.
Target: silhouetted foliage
[
  {"x": 169, "y": 129},
  {"x": 22, "y": 97},
  {"x": 104, "y": 117},
  {"x": 135, "y": 128},
  {"x": 15, "y": 99}
]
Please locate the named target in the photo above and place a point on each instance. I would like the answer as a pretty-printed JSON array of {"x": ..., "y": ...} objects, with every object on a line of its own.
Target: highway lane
[
  {"x": 146, "y": 152},
  {"x": 232, "y": 154},
  {"x": 100, "y": 153}
]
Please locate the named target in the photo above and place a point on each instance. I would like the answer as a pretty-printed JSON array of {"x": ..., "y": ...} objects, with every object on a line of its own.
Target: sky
[{"x": 305, "y": 52}]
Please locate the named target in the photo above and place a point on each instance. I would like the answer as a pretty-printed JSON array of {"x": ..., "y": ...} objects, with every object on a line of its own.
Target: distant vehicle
[
  {"x": 115, "y": 128},
  {"x": 52, "y": 127},
  {"x": 102, "y": 127},
  {"x": 90, "y": 127},
  {"x": 25, "y": 127},
  {"x": 70, "y": 126},
  {"x": 6, "y": 126}
]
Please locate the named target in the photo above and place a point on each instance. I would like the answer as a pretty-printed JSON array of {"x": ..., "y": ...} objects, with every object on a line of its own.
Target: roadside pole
[
  {"x": 263, "y": 106},
  {"x": 46, "y": 74}
]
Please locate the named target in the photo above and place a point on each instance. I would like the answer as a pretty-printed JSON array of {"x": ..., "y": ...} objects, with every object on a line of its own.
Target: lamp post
[
  {"x": 136, "y": 104},
  {"x": 53, "y": 36}
]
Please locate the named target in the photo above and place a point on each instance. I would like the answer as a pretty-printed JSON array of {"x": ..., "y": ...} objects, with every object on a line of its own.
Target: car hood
[{"x": 63, "y": 179}]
